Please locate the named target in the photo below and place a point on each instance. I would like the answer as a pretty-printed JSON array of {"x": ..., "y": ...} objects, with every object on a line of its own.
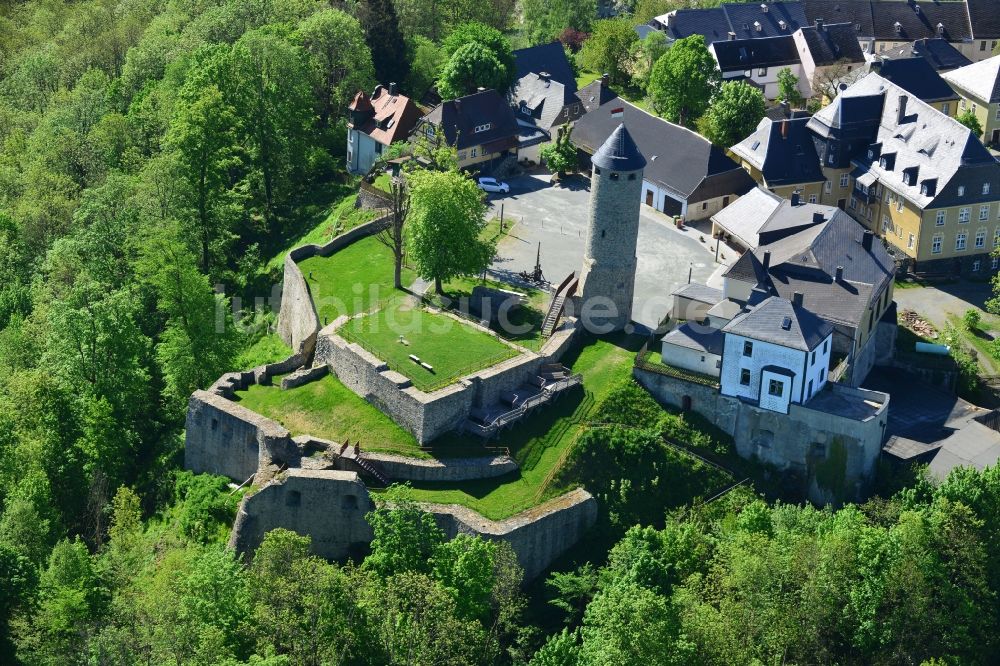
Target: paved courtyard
[{"x": 556, "y": 217}]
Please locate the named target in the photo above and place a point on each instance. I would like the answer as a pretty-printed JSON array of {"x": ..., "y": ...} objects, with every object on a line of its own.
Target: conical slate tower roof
[{"x": 619, "y": 152}]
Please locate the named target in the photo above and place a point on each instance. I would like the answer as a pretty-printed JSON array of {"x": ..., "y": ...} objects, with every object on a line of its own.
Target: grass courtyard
[
  {"x": 351, "y": 280},
  {"x": 541, "y": 443},
  {"x": 452, "y": 348},
  {"x": 528, "y": 316},
  {"x": 328, "y": 409}
]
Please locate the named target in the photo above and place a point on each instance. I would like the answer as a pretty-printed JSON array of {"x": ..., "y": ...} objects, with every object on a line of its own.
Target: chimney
[
  {"x": 866, "y": 240},
  {"x": 670, "y": 18},
  {"x": 544, "y": 76},
  {"x": 392, "y": 89},
  {"x": 819, "y": 24},
  {"x": 840, "y": 274},
  {"x": 605, "y": 78},
  {"x": 767, "y": 260},
  {"x": 784, "y": 129},
  {"x": 797, "y": 299},
  {"x": 795, "y": 198},
  {"x": 901, "y": 110},
  {"x": 818, "y": 217},
  {"x": 732, "y": 36},
  {"x": 786, "y": 108}
]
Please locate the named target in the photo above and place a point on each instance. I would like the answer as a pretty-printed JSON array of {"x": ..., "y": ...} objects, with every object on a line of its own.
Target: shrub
[{"x": 972, "y": 319}]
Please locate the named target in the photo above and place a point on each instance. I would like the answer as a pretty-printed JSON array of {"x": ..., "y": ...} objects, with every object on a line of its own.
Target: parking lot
[{"x": 556, "y": 217}]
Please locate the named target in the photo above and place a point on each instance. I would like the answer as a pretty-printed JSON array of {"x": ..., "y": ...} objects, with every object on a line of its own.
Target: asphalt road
[{"x": 556, "y": 217}]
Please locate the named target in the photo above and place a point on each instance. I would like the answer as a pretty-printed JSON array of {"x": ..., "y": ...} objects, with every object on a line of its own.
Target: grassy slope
[
  {"x": 540, "y": 442},
  {"x": 452, "y": 348},
  {"x": 269, "y": 349},
  {"x": 328, "y": 409},
  {"x": 351, "y": 280},
  {"x": 532, "y": 314}
]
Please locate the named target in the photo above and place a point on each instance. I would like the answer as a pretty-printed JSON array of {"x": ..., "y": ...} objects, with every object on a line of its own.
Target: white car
[{"x": 493, "y": 185}]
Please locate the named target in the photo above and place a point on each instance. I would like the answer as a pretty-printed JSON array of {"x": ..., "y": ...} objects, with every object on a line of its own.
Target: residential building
[
  {"x": 979, "y": 86},
  {"x": 781, "y": 156},
  {"x": 919, "y": 178},
  {"x": 971, "y": 26},
  {"x": 685, "y": 174},
  {"x": 481, "y": 127},
  {"x": 376, "y": 122},
  {"x": 544, "y": 96},
  {"x": 830, "y": 55},
  {"x": 938, "y": 53},
  {"x": 919, "y": 78},
  {"x": 758, "y": 62}
]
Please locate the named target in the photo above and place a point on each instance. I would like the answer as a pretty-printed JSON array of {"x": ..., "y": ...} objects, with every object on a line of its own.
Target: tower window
[
  {"x": 614, "y": 175},
  {"x": 597, "y": 170},
  {"x": 602, "y": 233},
  {"x": 631, "y": 176}
]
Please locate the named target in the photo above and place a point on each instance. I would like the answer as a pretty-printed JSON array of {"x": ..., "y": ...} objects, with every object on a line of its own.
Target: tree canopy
[
  {"x": 683, "y": 81},
  {"x": 734, "y": 113}
]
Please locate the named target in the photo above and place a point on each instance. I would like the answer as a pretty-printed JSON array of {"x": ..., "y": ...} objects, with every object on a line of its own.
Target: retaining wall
[
  {"x": 304, "y": 376},
  {"x": 298, "y": 322},
  {"x": 330, "y": 507},
  {"x": 221, "y": 437},
  {"x": 402, "y": 468}
]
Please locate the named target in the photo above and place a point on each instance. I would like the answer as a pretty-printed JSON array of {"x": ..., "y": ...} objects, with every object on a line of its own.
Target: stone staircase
[
  {"x": 366, "y": 465},
  {"x": 565, "y": 290}
]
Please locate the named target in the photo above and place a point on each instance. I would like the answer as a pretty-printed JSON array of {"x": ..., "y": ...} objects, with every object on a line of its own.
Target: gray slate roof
[
  {"x": 699, "y": 292},
  {"x": 941, "y": 55},
  {"x": 743, "y": 19},
  {"x": 697, "y": 337},
  {"x": 918, "y": 77},
  {"x": 540, "y": 98},
  {"x": 985, "y": 18},
  {"x": 974, "y": 445},
  {"x": 619, "y": 152},
  {"x": 747, "y": 269},
  {"x": 832, "y": 43},
  {"x": 677, "y": 159},
  {"x": 980, "y": 79},
  {"x": 549, "y": 58},
  {"x": 944, "y": 152},
  {"x": 784, "y": 153},
  {"x": 743, "y": 54},
  {"x": 807, "y": 261},
  {"x": 877, "y": 18},
  {"x": 765, "y": 322},
  {"x": 744, "y": 217},
  {"x": 595, "y": 94},
  {"x": 458, "y": 119}
]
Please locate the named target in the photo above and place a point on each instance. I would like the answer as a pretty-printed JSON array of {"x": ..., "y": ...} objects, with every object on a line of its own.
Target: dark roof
[
  {"x": 918, "y": 77},
  {"x": 701, "y": 338},
  {"x": 677, "y": 159},
  {"x": 938, "y": 53},
  {"x": 985, "y": 18},
  {"x": 743, "y": 54},
  {"x": 807, "y": 261},
  {"x": 643, "y": 29},
  {"x": 743, "y": 19},
  {"x": 747, "y": 269},
  {"x": 550, "y": 59},
  {"x": 619, "y": 152},
  {"x": 832, "y": 43},
  {"x": 595, "y": 94},
  {"x": 458, "y": 119},
  {"x": 783, "y": 151},
  {"x": 877, "y": 18},
  {"x": 777, "y": 321},
  {"x": 700, "y": 293},
  {"x": 542, "y": 98}
]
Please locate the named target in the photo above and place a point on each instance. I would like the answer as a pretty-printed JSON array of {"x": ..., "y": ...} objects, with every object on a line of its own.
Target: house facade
[
  {"x": 918, "y": 178},
  {"x": 781, "y": 157},
  {"x": 480, "y": 127},
  {"x": 375, "y": 122},
  {"x": 544, "y": 96}
]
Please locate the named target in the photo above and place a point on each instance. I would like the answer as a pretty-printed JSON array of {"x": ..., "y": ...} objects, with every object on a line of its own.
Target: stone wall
[
  {"x": 830, "y": 456},
  {"x": 425, "y": 415},
  {"x": 221, "y": 437},
  {"x": 327, "y": 505},
  {"x": 330, "y": 506},
  {"x": 304, "y": 376},
  {"x": 400, "y": 468},
  {"x": 262, "y": 374},
  {"x": 537, "y": 536},
  {"x": 298, "y": 322}
]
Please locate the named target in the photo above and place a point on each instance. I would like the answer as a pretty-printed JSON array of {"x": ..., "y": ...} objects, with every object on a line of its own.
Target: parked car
[{"x": 492, "y": 185}]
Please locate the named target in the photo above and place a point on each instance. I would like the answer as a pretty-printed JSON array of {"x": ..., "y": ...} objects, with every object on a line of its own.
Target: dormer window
[
  {"x": 888, "y": 161},
  {"x": 961, "y": 190},
  {"x": 757, "y": 26},
  {"x": 483, "y": 128},
  {"x": 928, "y": 188},
  {"x": 898, "y": 26},
  {"x": 910, "y": 175},
  {"x": 986, "y": 188},
  {"x": 782, "y": 24}
]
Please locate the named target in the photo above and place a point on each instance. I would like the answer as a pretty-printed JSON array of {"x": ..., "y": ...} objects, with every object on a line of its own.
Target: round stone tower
[{"x": 607, "y": 279}]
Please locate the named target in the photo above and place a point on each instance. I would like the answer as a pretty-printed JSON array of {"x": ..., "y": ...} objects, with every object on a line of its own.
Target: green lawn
[
  {"x": 351, "y": 280},
  {"x": 530, "y": 314},
  {"x": 585, "y": 78},
  {"x": 269, "y": 349},
  {"x": 541, "y": 442},
  {"x": 453, "y": 348},
  {"x": 328, "y": 409},
  {"x": 383, "y": 182},
  {"x": 339, "y": 217}
]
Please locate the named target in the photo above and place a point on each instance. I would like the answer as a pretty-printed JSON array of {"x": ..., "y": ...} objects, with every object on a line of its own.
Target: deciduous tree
[
  {"x": 734, "y": 113},
  {"x": 683, "y": 81},
  {"x": 609, "y": 48}
]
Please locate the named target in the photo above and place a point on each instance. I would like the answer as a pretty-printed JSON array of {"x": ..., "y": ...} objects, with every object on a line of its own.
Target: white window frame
[
  {"x": 980, "y": 241},
  {"x": 936, "y": 243},
  {"x": 961, "y": 241},
  {"x": 812, "y": 198},
  {"x": 984, "y": 212},
  {"x": 986, "y": 188},
  {"x": 909, "y": 242},
  {"x": 964, "y": 215},
  {"x": 940, "y": 218},
  {"x": 828, "y": 187},
  {"x": 961, "y": 190},
  {"x": 845, "y": 179}
]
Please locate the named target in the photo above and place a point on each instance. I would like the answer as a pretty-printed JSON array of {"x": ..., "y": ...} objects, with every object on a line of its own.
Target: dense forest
[{"x": 155, "y": 156}]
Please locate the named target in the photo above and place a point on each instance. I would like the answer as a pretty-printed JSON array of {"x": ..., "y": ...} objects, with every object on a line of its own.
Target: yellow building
[
  {"x": 919, "y": 179},
  {"x": 781, "y": 157},
  {"x": 978, "y": 85}
]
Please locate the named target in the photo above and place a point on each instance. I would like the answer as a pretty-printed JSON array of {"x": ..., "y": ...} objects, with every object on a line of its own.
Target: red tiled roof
[{"x": 395, "y": 117}]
